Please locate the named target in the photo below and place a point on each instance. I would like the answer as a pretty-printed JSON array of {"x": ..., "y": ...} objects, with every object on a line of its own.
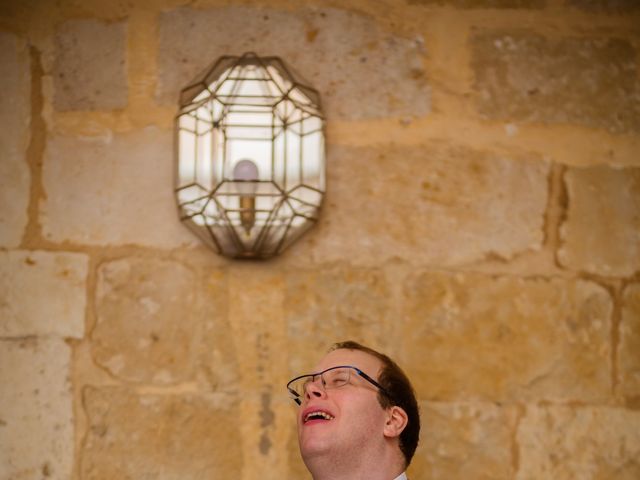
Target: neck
[{"x": 384, "y": 466}]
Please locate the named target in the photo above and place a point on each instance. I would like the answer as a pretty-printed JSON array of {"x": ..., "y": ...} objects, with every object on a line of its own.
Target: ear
[{"x": 396, "y": 421}]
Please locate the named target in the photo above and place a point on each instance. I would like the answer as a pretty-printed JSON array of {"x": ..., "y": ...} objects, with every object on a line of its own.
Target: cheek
[{"x": 367, "y": 413}]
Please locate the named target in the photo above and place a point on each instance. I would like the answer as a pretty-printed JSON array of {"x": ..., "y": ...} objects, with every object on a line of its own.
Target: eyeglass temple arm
[
  {"x": 295, "y": 396},
  {"x": 368, "y": 378}
]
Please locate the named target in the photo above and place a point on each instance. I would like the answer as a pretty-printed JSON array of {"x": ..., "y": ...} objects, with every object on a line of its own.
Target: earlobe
[{"x": 396, "y": 421}]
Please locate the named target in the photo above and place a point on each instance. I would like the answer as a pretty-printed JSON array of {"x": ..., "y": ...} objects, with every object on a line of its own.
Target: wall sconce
[{"x": 250, "y": 163}]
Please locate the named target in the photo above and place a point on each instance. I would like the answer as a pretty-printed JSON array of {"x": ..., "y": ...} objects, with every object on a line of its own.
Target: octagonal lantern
[{"x": 250, "y": 174}]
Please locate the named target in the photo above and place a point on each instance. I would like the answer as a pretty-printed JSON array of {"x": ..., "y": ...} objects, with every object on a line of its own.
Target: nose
[{"x": 314, "y": 389}]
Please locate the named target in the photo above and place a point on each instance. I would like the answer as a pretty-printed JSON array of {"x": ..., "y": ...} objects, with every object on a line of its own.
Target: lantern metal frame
[{"x": 257, "y": 110}]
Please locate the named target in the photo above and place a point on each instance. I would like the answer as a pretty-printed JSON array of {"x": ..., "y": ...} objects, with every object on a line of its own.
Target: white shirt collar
[{"x": 402, "y": 476}]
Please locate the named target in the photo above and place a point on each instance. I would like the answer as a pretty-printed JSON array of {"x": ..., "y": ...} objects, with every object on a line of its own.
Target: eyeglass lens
[{"x": 332, "y": 378}]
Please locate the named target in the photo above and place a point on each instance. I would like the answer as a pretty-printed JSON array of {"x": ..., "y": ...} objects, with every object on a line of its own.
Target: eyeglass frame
[{"x": 295, "y": 396}]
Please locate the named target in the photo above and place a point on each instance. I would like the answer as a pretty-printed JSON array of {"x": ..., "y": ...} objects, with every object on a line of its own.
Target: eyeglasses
[{"x": 334, "y": 377}]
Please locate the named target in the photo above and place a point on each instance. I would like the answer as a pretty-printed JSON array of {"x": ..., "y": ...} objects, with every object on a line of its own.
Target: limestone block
[
  {"x": 434, "y": 204},
  {"x": 295, "y": 465},
  {"x": 335, "y": 304},
  {"x": 590, "y": 443},
  {"x": 111, "y": 191},
  {"x": 164, "y": 437},
  {"x": 255, "y": 298},
  {"x": 217, "y": 358},
  {"x": 90, "y": 65},
  {"x": 15, "y": 110},
  {"x": 482, "y": 3},
  {"x": 42, "y": 293},
  {"x": 159, "y": 322},
  {"x": 36, "y": 411},
  {"x": 523, "y": 77},
  {"x": 464, "y": 440},
  {"x": 360, "y": 69},
  {"x": 602, "y": 231},
  {"x": 503, "y": 338},
  {"x": 614, "y": 6},
  {"x": 629, "y": 348},
  {"x": 256, "y": 317}
]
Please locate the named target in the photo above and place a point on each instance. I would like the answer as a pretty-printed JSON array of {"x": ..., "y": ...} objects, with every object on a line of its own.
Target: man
[{"x": 358, "y": 417}]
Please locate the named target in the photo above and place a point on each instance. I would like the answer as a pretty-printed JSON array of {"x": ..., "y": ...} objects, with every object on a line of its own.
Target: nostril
[{"x": 313, "y": 393}]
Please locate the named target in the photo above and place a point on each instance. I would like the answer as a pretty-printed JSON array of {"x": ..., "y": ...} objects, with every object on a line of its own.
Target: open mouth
[{"x": 317, "y": 415}]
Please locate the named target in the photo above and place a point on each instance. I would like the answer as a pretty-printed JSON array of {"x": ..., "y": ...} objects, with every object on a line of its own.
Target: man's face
[{"x": 357, "y": 417}]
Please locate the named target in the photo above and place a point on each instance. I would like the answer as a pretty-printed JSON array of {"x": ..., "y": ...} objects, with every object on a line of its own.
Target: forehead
[{"x": 355, "y": 358}]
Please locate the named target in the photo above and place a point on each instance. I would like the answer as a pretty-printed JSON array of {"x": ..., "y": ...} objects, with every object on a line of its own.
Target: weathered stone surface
[
  {"x": 361, "y": 70},
  {"x": 159, "y": 322},
  {"x": 565, "y": 443},
  {"x": 474, "y": 336},
  {"x": 14, "y": 137},
  {"x": 90, "y": 65},
  {"x": 217, "y": 363},
  {"x": 296, "y": 467},
  {"x": 36, "y": 423},
  {"x": 430, "y": 204},
  {"x": 602, "y": 230},
  {"x": 164, "y": 437},
  {"x": 331, "y": 305},
  {"x": 116, "y": 190},
  {"x": 524, "y": 77},
  {"x": 462, "y": 440},
  {"x": 483, "y": 3},
  {"x": 614, "y": 6},
  {"x": 629, "y": 348},
  {"x": 256, "y": 292},
  {"x": 42, "y": 293},
  {"x": 259, "y": 333}
]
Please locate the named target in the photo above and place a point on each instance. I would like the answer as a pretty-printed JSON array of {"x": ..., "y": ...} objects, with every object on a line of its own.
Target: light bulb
[{"x": 245, "y": 173}]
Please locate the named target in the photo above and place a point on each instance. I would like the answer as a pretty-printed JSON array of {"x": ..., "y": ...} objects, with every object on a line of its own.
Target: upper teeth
[{"x": 318, "y": 413}]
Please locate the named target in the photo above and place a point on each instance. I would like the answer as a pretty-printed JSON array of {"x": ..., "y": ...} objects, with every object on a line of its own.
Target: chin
[{"x": 313, "y": 447}]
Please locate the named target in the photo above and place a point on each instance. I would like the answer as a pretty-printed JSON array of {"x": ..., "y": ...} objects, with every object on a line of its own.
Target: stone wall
[{"x": 482, "y": 225}]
